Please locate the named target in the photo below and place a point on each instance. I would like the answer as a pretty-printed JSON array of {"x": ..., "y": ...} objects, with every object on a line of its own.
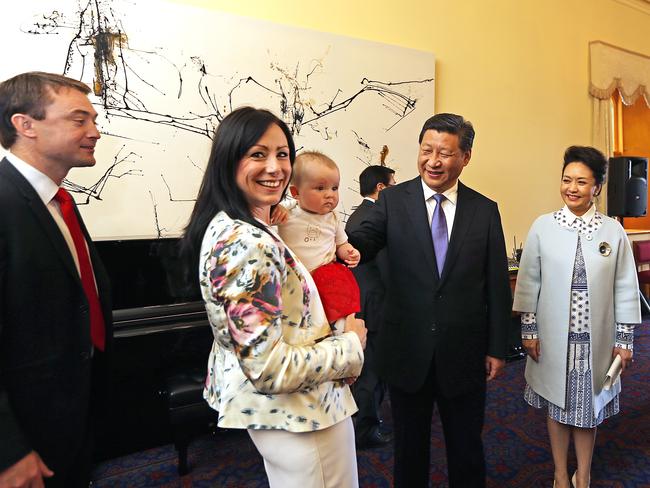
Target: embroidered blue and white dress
[{"x": 579, "y": 411}]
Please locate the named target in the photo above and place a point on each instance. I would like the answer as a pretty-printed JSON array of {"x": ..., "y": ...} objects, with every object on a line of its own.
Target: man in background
[
  {"x": 369, "y": 390},
  {"x": 55, "y": 313}
]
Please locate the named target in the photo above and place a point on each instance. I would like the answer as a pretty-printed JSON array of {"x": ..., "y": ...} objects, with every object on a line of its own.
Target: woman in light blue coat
[{"x": 577, "y": 293}]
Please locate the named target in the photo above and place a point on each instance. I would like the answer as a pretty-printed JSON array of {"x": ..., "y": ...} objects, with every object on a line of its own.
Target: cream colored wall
[{"x": 518, "y": 69}]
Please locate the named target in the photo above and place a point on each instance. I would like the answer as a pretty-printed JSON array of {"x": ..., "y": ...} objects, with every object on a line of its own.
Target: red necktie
[{"x": 97, "y": 331}]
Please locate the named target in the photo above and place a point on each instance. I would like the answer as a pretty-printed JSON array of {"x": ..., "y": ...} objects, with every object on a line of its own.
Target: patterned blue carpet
[{"x": 516, "y": 442}]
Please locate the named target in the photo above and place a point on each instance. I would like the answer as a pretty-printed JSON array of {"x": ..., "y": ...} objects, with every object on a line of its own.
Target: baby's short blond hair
[{"x": 306, "y": 162}]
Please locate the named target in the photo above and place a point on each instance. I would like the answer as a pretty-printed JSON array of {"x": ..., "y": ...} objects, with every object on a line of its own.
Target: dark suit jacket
[
  {"x": 370, "y": 275},
  {"x": 45, "y": 360},
  {"x": 455, "y": 320}
]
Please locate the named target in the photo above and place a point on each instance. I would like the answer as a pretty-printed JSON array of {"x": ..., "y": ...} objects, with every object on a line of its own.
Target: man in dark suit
[
  {"x": 368, "y": 390},
  {"x": 447, "y": 305},
  {"x": 55, "y": 314}
]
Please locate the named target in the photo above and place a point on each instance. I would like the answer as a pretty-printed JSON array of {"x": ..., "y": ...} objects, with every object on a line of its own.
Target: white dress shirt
[{"x": 448, "y": 205}]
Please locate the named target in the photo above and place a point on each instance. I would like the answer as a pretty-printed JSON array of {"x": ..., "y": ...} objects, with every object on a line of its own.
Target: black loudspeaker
[{"x": 627, "y": 187}]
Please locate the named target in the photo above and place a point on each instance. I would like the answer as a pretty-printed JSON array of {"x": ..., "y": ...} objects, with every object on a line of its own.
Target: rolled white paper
[{"x": 613, "y": 372}]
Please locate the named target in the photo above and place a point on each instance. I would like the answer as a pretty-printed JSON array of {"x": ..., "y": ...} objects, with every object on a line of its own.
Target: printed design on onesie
[{"x": 313, "y": 233}]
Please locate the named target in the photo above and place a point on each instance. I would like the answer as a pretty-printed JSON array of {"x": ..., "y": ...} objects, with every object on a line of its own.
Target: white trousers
[{"x": 320, "y": 459}]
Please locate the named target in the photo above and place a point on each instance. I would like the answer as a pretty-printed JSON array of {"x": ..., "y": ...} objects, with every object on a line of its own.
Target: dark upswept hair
[
  {"x": 372, "y": 176},
  {"x": 236, "y": 134},
  {"x": 590, "y": 157},
  {"x": 30, "y": 94},
  {"x": 451, "y": 124}
]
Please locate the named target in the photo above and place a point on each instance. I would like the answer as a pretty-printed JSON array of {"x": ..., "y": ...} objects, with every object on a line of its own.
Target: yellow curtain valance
[{"x": 613, "y": 68}]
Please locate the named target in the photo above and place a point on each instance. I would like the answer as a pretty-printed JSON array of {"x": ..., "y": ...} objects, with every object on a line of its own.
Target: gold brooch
[{"x": 605, "y": 249}]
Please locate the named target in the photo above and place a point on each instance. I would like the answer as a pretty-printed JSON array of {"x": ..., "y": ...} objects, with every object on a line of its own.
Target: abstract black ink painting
[{"x": 163, "y": 75}]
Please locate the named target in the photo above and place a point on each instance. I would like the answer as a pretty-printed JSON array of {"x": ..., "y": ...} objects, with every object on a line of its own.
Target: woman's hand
[
  {"x": 353, "y": 324},
  {"x": 279, "y": 215},
  {"x": 532, "y": 348},
  {"x": 626, "y": 356}
]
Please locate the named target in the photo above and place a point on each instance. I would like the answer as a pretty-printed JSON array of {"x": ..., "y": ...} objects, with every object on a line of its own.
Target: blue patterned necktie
[
  {"x": 439, "y": 232},
  {"x": 579, "y": 222}
]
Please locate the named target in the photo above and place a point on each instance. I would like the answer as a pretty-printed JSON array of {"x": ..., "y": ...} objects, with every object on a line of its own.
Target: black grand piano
[{"x": 160, "y": 326}]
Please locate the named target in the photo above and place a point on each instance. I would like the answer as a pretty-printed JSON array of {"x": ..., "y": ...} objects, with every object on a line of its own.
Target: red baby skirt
[{"x": 338, "y": 290}]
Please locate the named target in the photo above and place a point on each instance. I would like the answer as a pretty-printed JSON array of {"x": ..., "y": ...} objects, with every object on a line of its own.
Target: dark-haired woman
[
  {"x": 274, "y": 368},
  {"x": 578, "y": 294}
]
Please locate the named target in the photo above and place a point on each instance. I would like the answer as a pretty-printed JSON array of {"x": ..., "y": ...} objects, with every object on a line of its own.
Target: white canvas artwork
[{"x": 164, "y": 76}]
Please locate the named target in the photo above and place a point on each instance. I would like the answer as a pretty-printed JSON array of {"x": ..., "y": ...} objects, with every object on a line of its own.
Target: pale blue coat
[{"x": 544, "y": 287}]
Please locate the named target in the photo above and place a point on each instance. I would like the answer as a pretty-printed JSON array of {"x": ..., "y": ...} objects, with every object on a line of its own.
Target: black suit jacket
[
  {"x": 455, "y": 320},
  {"x": 45, "y": 347},
  {"x": 371, "y": 275}
]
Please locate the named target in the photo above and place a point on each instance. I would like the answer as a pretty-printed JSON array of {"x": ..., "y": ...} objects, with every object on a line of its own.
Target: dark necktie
[
  {"x": 97, "y": 330},
  {"x": 439, "y": 232}
]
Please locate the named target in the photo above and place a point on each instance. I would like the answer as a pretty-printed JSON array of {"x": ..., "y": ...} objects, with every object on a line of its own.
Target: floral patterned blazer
[{"x": 274, "y": 363}]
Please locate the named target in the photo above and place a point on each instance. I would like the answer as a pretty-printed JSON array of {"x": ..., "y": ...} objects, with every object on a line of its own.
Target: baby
[{"x": 314, "y": 232}]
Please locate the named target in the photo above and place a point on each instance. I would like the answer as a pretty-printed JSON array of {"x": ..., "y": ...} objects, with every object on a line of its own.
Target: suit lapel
[
  {"x": 417, "y": 213},
  {"x": 465, "y": 210},
  {"x": 42, "y": 214}
]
